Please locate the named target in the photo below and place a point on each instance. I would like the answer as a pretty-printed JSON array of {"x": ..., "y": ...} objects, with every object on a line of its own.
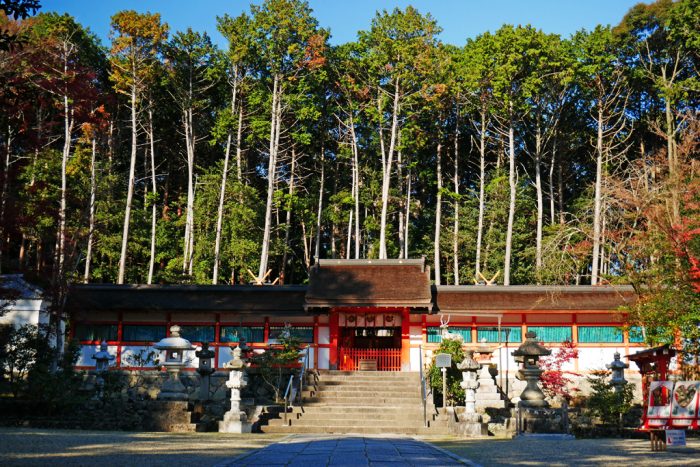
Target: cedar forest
[{"x": 537, "y": 159}]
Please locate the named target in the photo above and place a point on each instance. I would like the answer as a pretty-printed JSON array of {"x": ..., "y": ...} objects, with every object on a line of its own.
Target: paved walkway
[{"x": 324, "y": 450}]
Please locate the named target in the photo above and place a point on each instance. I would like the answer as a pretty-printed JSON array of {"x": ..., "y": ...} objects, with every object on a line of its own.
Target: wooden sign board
[{"x": 443, "y": 360}]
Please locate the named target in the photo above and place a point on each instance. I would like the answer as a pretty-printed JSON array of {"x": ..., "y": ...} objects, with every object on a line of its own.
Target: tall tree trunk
[
  {"x": 356, "y": 186},
  {"x": 455, "y": 227},
  {"x": 672, "y": 161},
  {"x": 348, "y": 248},
  {"x": 597, "y": 203},
  {"x": 239, "y": 144},
  {"x": 68, "y": 132},
  {"x": 540, "y": 201},
  {"x": 154, "y": 196},
  {"x": 482, "y": 193},
  {"x": 317, "y": 247},
  {"x": 222, "y": 191},
  {"x": 399, "y": 177},
  {"x": 130, "y": 189},
  {"x": 275, "y": 121},
  {"x": 438, "y": 213},
  {"x": 408, "y": 213},
  {"x": 552, "y": 164},
  {"x": 511, "y": 206},
  {"x": 560, "y": 192},
  {"x": 91, "y": 227},
  {"x": 386, "y": 171},
  {"x": 188, "y": 256},
  {"x": 288, "y": 220},
  {"x": 3, "y": 193}
]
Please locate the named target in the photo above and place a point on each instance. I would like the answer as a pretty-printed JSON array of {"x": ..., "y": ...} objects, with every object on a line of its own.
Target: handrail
[
  {"x": 286, "y": 397},
  {"x": 423, "y": 388},
  {"x": 304, "y": 366}
]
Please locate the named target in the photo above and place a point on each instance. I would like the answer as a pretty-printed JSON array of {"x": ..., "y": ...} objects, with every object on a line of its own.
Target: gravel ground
[
  {"x": 39, "y": 447},
  {"x": 579, "y": 452}
]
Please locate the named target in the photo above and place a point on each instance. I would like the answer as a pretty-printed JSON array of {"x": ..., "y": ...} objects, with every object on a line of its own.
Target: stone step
[
  {"x": 416, "y": 410},
  {"x": 375, "y": 430},
  {"x": 393, "y": 382},
  {"x": 317, "y": 417},
  {"x": 363, "y": 400},
  {"x": 366, "y": 393}
]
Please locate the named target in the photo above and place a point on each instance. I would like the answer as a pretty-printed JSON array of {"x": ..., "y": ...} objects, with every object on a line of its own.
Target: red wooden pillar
[
  {"x": 315, "y": 344},
  {"x": 120, "y": 333},
  {"x": 405, "y": 340},
  {"x": 217, "y": 340},
  {"x": 333, "y": 324}
]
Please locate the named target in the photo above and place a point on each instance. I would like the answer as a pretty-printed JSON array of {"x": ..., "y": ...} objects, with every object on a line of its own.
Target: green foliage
[
  {"x": 275, "y": 362},
  {"x": 606, "y": 403},
  {"x": 455, "y": 394},
  {"x": 26, "y": 358}
]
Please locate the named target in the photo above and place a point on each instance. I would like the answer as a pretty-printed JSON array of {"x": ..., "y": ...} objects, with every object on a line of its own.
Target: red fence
[{"x": 370, "y": 359}]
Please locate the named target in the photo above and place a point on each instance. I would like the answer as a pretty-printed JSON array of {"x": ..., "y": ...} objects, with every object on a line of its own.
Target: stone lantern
[
  {"x": 469, "y": 382},
  {"x": 618, "y": 368},
  {"x": 175, "y": 347},
  {"x": 236, "y": 420},
  {"x": 205, "y": 369},
  {"x": 102, "y": 358},
  {"x": 528, "y": 354}
]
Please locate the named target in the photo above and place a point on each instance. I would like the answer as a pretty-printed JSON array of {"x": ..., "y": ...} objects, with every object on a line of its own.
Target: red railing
[{"x": 370, "y": 359}]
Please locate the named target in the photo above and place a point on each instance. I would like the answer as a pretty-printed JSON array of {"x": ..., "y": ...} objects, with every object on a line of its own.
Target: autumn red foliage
[{"x": 556, "y": 382}]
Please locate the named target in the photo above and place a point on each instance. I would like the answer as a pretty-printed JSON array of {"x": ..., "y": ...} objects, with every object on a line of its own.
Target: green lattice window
[
  {"x": 435, "y": 333},
  {"x": 96, "y": 332},
  {"x": 551, "y": 333},
  {"x": 490, "y": 334},
  {"x": 143, "y": 333},
  {"x": 198, "y": 333},
  {"x": 599, "y": 335},
  {"x": 636, "y": 335},
  {"x": 251, "y": 334}
]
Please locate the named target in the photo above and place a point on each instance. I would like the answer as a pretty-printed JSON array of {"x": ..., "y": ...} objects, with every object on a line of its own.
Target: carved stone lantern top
[
  {"x": 469, "y": 364},
  {"x": 174, "y": 347},
  {"x": 205, "y": 355},
  {"x": 618, "y": 369},
  {"x": 531, "y": 350}
]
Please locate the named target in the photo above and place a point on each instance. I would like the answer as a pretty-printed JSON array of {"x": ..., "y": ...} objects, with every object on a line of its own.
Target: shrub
[
  {"x": 274, "y": 362},
  {"x": 606, "y": 403},
  {"x": 455, "y": 394}
]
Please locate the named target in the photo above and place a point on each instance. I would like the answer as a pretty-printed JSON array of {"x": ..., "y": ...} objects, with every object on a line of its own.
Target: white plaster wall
[
  {"x": 595, "y": 358},
  {"x": 323, "y": 335},
  {"x": 415, "y": 358},
  {"x": 323, "y": 358},
  {"x": 87, "y": 352},
  {"x": 25, "y": 311},
  {"x": 130, "y": 350}
]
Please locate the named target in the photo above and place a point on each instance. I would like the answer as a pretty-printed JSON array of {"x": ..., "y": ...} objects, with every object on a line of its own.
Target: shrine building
[{"x": 380, "y": 311}]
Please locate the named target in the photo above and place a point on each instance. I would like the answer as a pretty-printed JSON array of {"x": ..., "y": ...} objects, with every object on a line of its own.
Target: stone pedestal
[
  {"x": 173, "y": 389},
  {"x": 235, "y": 420},
  {"x": 170, "y": 416},
  {"x": 532, "y": 396},
  {"x": 487, "y": 394}
]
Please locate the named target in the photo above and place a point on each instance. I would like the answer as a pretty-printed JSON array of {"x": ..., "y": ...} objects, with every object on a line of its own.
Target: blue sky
[{"x": 459, "y": 19}]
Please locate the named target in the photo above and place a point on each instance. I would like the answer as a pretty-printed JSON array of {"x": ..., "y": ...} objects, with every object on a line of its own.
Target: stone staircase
[{"x": 362, "y": 402}]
